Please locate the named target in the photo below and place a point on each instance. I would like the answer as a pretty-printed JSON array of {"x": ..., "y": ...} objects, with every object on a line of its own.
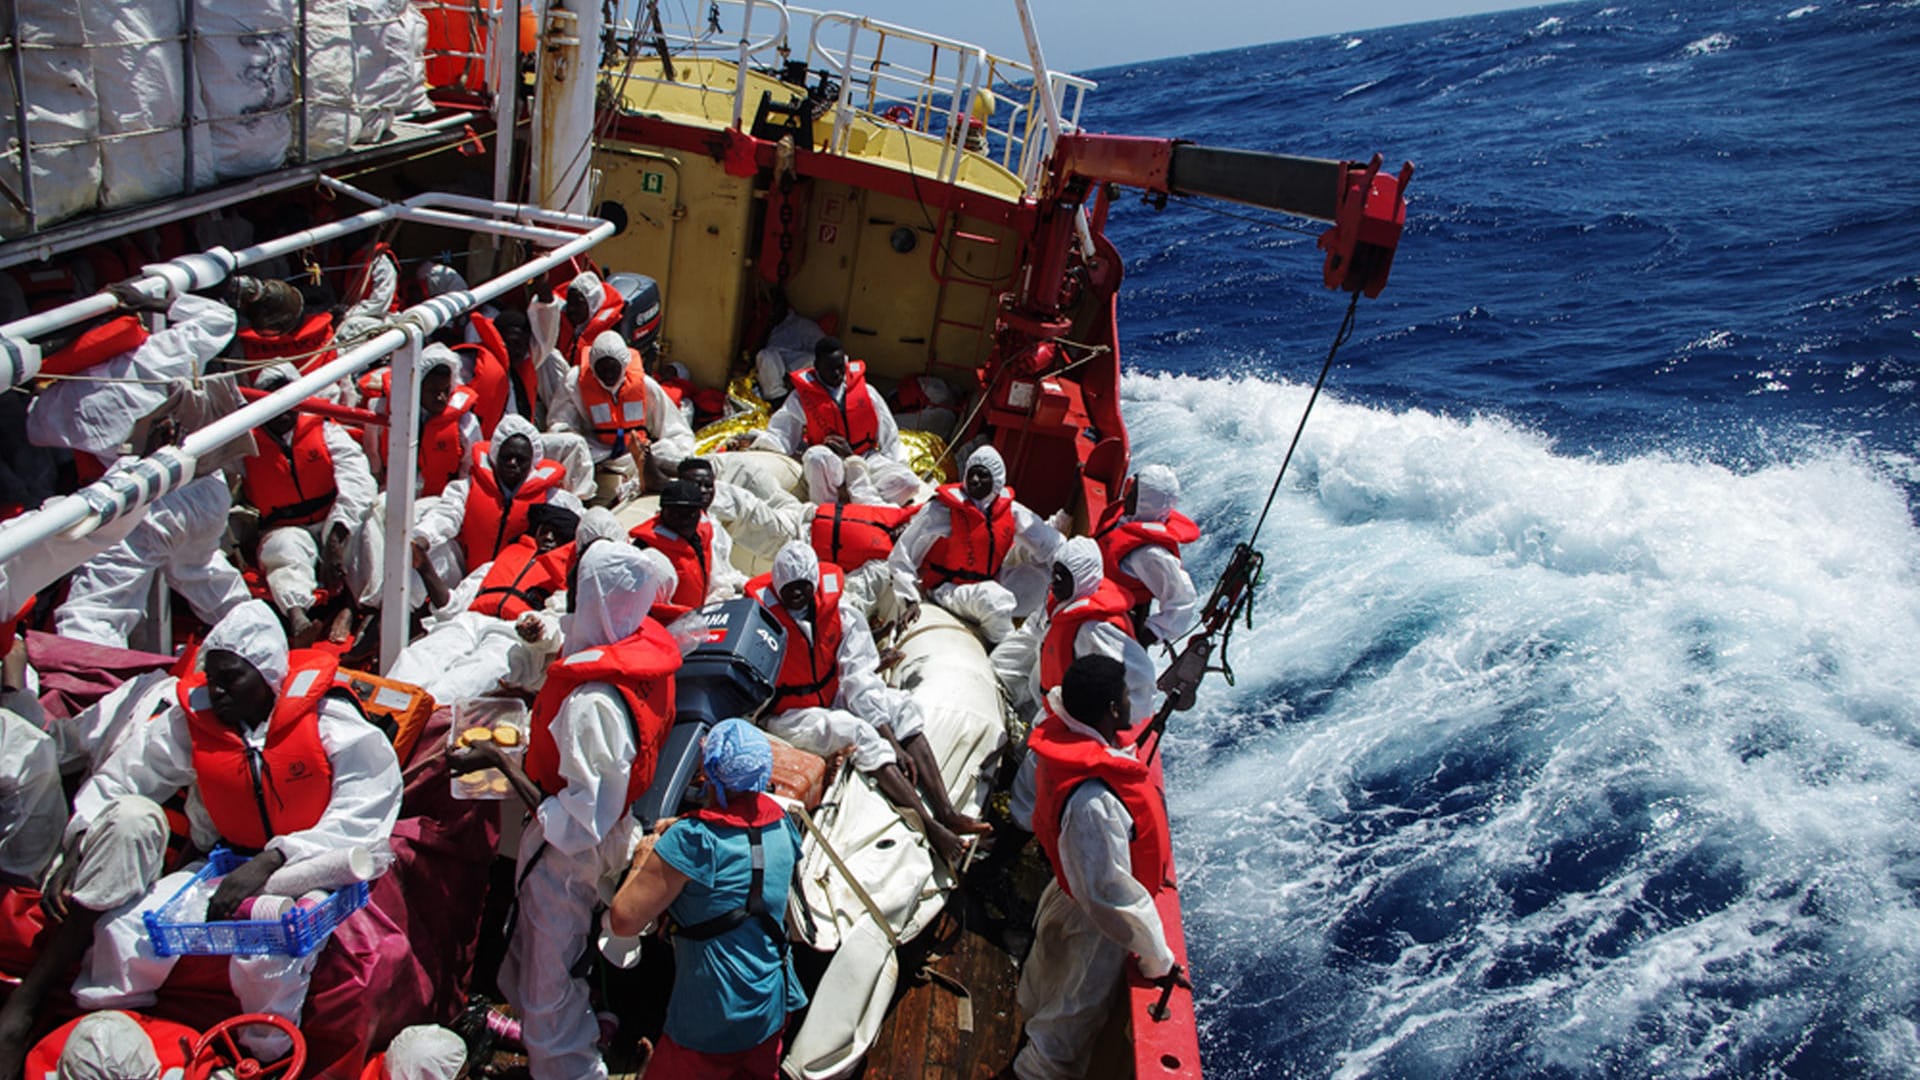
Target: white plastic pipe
[{"x": 403, "y": 447}]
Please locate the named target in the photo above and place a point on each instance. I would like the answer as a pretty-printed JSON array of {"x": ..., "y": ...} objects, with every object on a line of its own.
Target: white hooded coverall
[
  {"x": 991, "y": 605},
  {"x": 863, "y": 704},
  {"x": 125, "y": 838},
  {"x": 579, "y": 840},
  {"x": 1081, "y": 941},
  {"x": 786, "y": 432}
]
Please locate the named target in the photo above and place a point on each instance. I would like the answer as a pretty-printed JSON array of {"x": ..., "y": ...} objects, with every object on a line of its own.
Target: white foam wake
[{"x": 1610, "y": 760}]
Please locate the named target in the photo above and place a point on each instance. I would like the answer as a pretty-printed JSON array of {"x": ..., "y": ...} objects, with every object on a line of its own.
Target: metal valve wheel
[{"x": 218, "y": 1049}]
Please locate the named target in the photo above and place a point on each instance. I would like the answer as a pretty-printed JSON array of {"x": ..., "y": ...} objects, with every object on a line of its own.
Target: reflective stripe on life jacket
[
  {"x": 976, "y": 543},
  {"x": 253, "y": 795},
  {"x": 854, "y": 534},
  {"x": 1108, "y": 604},
  {"x": 853, "y": 417},
  {"x": 521, "y": 579},
  {"x": 611, "y": 414},
  {"x": 641, "y": 669},
  {"x": 1123, "y": 538},
  {"x": 691, "y": 561},
  {"x": 492, "y": 519},
  {"x": 292, "y": 484},
  {"x": 1063, "y": 760},
  {"x": 810, "y": 667}
]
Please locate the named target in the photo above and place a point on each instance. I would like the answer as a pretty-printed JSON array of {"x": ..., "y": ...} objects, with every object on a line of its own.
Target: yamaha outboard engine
[
  {"x": 639, "y": 325},
  {"x": 730, "y": 674}
]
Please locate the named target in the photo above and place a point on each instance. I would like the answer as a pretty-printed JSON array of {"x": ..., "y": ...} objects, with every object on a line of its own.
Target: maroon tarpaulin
[{"x": 75, "y": 674}]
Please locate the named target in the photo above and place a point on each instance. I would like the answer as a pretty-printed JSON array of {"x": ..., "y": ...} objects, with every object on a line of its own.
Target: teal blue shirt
[{"x": 731, "y": 992}]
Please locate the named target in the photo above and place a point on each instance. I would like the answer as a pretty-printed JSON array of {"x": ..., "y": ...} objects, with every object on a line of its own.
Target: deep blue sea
[{"x": 1579, "y": 730}]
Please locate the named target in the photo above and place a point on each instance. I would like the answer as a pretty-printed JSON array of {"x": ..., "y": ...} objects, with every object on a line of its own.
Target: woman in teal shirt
[{"x": 733, "y": 982}]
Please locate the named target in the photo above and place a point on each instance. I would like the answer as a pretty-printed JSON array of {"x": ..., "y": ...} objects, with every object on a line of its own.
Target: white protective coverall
[
  {"x": 724, "y": 580},
  {"x": 179, "y": 540},
  {"x": 1081, "y": 941},
  {"x": 290, "y": 555},
  {"x": 425, "y": 1052},
  {"x": 1176, "y": 605},
  {"x": 758, "y": 514},
  {"x": 438, "y": 521},
  {"x": 579, "y": 841},
  {"x": 892, "y": 476},
  {"x": 1017, "y": 660},
  {"x": 465, "y": 654},
  {"x": 863, "y": 704},
  {"x": 789, "y": 348},
  {"x": 543, "y": 319},
  {"x": 109, "y": 1045},
  {"x": 528, "y": 662},
  {"x": 1021, "y": 584},
  {"x": 671, "y": 435},
  {"x": 33, "y": 807},
  {"x": 125, "y": 838},
  {"x": 98, "y": 417}
]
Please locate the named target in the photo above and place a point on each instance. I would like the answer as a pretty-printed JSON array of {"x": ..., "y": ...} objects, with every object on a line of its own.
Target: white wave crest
[
  {"x": 1647, "y": 725},
  {"x": 1803, "y": 12},
  {"x": 1707, "y": 46}
]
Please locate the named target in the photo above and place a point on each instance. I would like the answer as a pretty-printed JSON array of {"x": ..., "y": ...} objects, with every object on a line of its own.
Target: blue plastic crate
[{"x": 296, "y": 933}]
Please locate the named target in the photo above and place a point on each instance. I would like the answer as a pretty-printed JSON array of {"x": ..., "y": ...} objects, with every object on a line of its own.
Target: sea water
[{"x": 1578, "y": 733}]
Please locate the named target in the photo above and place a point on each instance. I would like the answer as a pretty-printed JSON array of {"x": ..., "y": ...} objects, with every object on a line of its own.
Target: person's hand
[
  {"x": 469, "y": 759},
  {"x": 56, "y": 892},
  {"x": 333, "y": 552},
  {"x": 741, "y": 441},
  {"x": 838, "y": 445},
  {"x": 639, "y": 443},
  {"x": 530, "y": 628},
  {"x": 134, "y": 298},
  {"x": 245, "y": 881},
  {"x": 910, "y": 614},
  {"x": 888, "y": 658},
  {"x": 631, "y": 488}
]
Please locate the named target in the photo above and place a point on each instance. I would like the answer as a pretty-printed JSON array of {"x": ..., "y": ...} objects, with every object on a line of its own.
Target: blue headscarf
[{"x": 737, "y": 758}]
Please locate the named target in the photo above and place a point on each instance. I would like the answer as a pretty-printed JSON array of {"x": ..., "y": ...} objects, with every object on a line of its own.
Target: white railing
[{"x": 885, "y": 72}]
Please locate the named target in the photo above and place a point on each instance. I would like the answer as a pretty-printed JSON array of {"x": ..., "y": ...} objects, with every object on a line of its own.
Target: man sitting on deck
[
  {"x": 699, "y": 548},
  {"x": 723, "y": 873},
  {"x": 833, "y": 405},
  {"x": 1102, "y": 821},
  {"x": 829, "y": 696},
  {"x": 957, "y": 548},
  {"x": 629, "y": 425}
]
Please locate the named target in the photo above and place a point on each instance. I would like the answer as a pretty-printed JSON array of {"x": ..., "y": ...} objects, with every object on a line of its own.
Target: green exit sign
[{"x": 653, "y": 183}]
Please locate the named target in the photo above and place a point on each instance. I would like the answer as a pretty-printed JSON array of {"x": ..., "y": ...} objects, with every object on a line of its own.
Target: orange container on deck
[{"x": 457, "y": 42}]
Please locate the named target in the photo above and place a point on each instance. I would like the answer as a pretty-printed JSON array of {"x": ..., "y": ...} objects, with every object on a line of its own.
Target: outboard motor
[
  {"x": 731, "y": 673},
  {"x": 639, "y": 325}
]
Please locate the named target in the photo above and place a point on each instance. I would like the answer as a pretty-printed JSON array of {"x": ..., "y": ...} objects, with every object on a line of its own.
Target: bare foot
[
  {"x": 945, "y": 844},
  {"x": 964, "y": 825},
  {"x": 300, "y": 629},
  {"x": 341, "y": 631}
]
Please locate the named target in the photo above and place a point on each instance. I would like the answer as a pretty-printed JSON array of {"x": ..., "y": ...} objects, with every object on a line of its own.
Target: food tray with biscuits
[{"x": 501, "y": 721}]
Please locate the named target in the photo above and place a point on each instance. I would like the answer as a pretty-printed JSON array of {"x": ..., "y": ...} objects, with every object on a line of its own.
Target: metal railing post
[
  {"x": 19, "y": 66},
  {"x": 740, "y": 72},
  {"x": 403, "y": 439}
]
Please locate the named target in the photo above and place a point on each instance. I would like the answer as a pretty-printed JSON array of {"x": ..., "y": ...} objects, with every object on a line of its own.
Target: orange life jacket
[
  {"x": 489, "y": 385},
  {"x": 253, "y": 795},
  {"x": 293, "y": 485},
  {"x": 641, "y": 668},
  {"x": 305, "y": 346},
  {"x": 810, "y": 668},
  {"x": 521, "y": 579},
  {"x": 976, "y": 543},
  {"x": 1108, "y": 604},
  {"x": 853, "y": 417},
  {"x": 612, "y": 306},
  {"x": 691, "y": 562},
  {"x": 172, "y": 1044},
  {"x": 1121, "y": 539},
  {"x": 519, "y": 376},
  {"x": 855, "y": 534},
  {"x": 492, "y": 518},
  {"x": 438, "y": 462},
  {"x": 611, "y": 414},
  {"x": 1063, "y": 760},
  {"x": 96, "y": 345}
]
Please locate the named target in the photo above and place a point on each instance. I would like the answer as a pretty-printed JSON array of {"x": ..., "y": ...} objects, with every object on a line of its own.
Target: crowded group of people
[{"x": 540, "y": 427}]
